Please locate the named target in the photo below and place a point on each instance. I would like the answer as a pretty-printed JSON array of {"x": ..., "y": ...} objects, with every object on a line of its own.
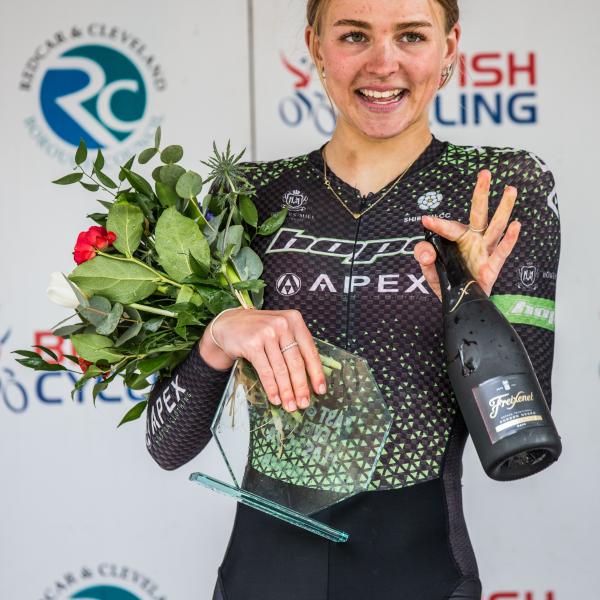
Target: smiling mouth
[{"x": 382, "y": 98}]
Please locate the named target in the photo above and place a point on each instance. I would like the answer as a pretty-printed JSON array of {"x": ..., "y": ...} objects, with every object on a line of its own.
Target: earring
[
  {"x": 446, "y": 72},
  {"x": 323, "y": 73}
]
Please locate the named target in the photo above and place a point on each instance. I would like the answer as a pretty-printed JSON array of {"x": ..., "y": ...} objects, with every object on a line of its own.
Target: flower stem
[{"x": 154, "y": 311}]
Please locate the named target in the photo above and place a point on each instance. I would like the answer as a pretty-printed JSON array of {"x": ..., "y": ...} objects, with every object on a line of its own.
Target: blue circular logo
[
  {"x": 105, "y": 592},
  {"x": 93, "y": 92}
]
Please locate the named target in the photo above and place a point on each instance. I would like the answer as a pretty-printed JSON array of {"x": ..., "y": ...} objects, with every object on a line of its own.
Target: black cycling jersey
[{"x": 358, "y": 286}]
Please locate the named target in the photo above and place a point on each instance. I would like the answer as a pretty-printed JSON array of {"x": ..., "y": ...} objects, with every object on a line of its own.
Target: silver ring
[
  {"x": 478, "y": 230},
  {"x": 288, "y": 346}
]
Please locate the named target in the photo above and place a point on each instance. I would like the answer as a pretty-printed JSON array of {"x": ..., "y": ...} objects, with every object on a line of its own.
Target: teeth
[{"x": 375, "y": 94}]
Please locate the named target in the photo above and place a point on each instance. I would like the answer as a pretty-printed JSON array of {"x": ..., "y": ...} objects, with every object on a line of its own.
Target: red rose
[
  {"x": 86, "y": 364},
  {"x": 95, "y": 238}
]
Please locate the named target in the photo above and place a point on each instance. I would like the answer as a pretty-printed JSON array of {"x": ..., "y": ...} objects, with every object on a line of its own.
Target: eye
[
  {"x": 353, "y": 37},
  {"x": 412, "y": 38}
]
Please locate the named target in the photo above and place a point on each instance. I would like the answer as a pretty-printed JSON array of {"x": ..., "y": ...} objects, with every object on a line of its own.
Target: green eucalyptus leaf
[
  {"x": 157, "y": 137},
  {"x": 273, "y": 223},
  {"x": 112, "y": 320},
  {"x": 134, "y": 413},
  {"x": 247, "y": 264},
  {"x": 94, "y": 347},
  {"x": 171, "y": 154},
  {"x": 154, "y": 324},
  {"x": 97, "y": 310},
  {"x": 126, "y": 222},
  {"x": 67, "y": 330},
  {"x": 211, "y": 229},
  {"x": 166, "y": 194},
  {"x": 126, "y": 167},
  {"x": 81, "y": 153},
  {"x": 147, "y": 155},
  {"x": 134, "y": 329},
  {"x": 99, "y": 162},
  {"x": 249, "y": 211},
  {"x": 68, "y": 179},
  {"x": 118, "y": 280},
  {"x": 189, "y": 185},
  {"x": 105, "y": 180},
  {"x": 175, "y": 237},
  {"x": 90, "y": 187},
  {"x": 233, "y": 238},
  {"x": 170, "y": 174},
  {"x": 81, "y": 298},
  {"x": 139, "y": 183},
  {"x": 156, "y": 173}
]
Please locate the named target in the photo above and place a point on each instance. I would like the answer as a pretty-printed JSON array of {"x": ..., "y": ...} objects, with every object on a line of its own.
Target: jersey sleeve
[
  {"x": 181, "y": 409},
  {"x": 525, "y": 290}
]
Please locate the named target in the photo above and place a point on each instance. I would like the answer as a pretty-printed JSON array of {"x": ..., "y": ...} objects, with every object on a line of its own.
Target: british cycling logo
[
  {"x": 307, "y": 103},
  {"x": 50, "y": 388},
  {"x": 490, "y": 88},
  {"x": 106, "y": 581},
  {"x": 97, "y": 83}
]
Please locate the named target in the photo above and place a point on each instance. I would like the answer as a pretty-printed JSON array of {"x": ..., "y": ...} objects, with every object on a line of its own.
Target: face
[{"x": 383, "y": 61}]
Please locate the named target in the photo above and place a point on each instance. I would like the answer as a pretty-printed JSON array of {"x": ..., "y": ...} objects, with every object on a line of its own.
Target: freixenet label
[{"x": 508, "y": 404}]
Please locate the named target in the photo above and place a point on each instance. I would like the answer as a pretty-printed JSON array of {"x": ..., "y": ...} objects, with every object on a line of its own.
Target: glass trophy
[{"x": 291, "y": 465}]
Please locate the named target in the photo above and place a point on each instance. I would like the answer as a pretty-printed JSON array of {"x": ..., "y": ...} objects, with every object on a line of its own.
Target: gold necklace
[{"x": 358, "y": 215}]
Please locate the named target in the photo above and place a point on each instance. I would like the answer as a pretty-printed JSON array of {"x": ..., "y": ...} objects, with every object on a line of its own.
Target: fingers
[
  {"x": 451, "y": 230},
  {"x": 500, "y": 219},
  {"x": 282, "y": 376},
  {"x": 425, "y": 254},
  {"x": 504, "y": 248},
  {"x": 261, "y": 364},
  {"x": 479, "y": 205},
  {"x": 310, "y": 354}
]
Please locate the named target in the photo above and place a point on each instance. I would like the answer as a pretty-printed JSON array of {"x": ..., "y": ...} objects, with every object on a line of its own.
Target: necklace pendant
[{"x": 356, "y": 215}]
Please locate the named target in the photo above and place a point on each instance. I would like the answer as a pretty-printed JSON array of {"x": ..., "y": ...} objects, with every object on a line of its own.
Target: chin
[{"x": 383, "y": 131}]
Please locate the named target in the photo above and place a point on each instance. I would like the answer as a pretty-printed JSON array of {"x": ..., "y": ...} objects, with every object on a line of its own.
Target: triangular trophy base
[{"x": 270, "y": 508}]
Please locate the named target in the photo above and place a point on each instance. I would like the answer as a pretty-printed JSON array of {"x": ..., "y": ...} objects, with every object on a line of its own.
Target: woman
[{"x": 342, "y": 269}]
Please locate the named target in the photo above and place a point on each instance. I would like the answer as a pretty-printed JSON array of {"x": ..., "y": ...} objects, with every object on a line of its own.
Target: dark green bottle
[{"x": 494, "y": 382}]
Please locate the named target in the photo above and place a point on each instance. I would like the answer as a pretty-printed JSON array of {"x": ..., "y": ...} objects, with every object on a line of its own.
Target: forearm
[{"x": 181, "y": 408}]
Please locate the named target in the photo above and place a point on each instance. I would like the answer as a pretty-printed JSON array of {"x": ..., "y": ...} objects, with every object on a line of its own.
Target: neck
[{"x": 368, "y": 163}]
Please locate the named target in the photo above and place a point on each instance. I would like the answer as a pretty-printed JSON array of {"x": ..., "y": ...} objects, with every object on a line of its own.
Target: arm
[
  {"x": 525, "y": 289},
  {"x": 181, "y": 407}
]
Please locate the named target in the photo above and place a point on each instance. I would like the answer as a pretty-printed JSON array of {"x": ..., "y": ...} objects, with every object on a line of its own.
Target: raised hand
[{"x": 484, "y": 247}]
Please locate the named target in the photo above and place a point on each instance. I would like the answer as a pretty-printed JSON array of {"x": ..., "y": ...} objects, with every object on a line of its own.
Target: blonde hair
[{"x": 316, "y": 8}]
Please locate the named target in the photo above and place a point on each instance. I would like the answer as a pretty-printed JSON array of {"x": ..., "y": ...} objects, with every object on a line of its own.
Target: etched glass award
[{"x": 291, "y": 465}]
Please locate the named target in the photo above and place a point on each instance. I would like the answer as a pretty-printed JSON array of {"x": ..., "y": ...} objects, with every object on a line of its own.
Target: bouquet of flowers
[{"x": 156, "y": 267}]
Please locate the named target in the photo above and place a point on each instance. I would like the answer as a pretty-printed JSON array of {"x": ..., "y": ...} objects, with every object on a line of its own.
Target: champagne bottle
[{"x": 492, "y": 376}]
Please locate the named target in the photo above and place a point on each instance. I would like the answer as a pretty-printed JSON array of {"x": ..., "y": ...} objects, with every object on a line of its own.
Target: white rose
[{"x": 60, "y": 292}]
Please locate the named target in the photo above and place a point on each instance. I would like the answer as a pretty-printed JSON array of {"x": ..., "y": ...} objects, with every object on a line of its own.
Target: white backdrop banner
[{"x": 83, "y": 506}]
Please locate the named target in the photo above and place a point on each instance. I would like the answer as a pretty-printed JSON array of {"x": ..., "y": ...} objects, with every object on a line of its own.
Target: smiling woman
[{"x": 343, "y": 269}]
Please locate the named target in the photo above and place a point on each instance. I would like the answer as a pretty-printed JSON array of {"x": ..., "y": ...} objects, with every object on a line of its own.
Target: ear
[
  {"x": 452, "y": 40},
  {"x": 312, "y": 39}
]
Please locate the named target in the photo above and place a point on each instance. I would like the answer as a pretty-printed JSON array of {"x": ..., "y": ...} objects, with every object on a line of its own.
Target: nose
[{"x": 382, "y": 61}]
